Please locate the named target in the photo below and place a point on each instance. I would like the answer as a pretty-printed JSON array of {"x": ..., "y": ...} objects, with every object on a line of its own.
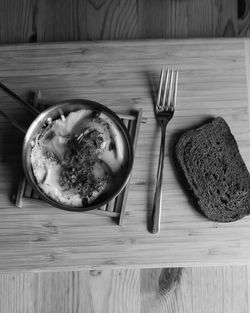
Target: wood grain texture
[
  {"x": 71, "y": 20},
  {"x": 111, "y": 19},
  {"x": 58, "y": 20},
  {"x": 130, "y": 19},
  {"x": 181, "y": 19},
  {"x": 108, "y": 291},
  {"x": 244, "y": 18},
  {"x": 16, "y": 21},
  {"x": 210, "y": 289},
  {"x": 123, "y": 75},
  {"x": 86, "y": 20},
  {"x": 199, "y": 290}
]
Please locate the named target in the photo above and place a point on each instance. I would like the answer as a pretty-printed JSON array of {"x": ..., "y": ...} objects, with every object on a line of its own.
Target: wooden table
[{"x": 124, "y": 75}]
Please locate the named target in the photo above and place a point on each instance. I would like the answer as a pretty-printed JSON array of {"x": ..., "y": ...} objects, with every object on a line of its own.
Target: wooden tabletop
[{"x": 213, "y": 81}]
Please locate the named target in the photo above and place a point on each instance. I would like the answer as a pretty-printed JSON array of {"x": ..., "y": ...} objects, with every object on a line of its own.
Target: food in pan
[{"x": 78, "y": 158}]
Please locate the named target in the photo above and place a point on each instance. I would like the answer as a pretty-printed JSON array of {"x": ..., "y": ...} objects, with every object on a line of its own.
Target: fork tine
[
  {"x": 167, "y": 105},
  {"x": 167, "y": 93},
  {"x": 165, "y": 88},
  {"x": 175, "y": 90},
  {"x": 160, "y": 89}
]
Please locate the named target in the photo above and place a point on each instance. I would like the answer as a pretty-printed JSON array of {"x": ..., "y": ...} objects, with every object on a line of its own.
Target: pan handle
[
  {"x": 13, "y": 95},
  {"x": 13, "y": 122}
]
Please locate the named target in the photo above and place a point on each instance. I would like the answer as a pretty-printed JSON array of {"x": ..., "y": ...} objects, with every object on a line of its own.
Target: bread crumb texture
[{"x": 218, "y": 177}]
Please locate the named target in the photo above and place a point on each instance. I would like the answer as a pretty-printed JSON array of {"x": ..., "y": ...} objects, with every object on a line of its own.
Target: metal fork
[{"x": 164, "y": 111}]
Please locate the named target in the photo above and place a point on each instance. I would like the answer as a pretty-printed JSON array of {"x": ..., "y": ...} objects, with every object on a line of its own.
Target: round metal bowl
[{"x": 54, "y": 112}]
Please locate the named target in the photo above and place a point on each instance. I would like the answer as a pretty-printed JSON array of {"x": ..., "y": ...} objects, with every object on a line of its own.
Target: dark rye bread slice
[{"x": 215, "y": 171}]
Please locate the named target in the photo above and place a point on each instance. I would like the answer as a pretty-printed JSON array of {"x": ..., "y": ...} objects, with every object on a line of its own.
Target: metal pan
[{"x": 54, "y": 112}]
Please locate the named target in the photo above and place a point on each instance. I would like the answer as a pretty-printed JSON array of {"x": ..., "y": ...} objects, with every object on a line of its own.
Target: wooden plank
[
  {"x": 83, "y": 291},
  {"x": 244, "y": 16},
  {"x": 181, "y": 19},
  {"x": 248, "y": 283},
  {"x": 17, "y": 21},
  {"x": 97, "y": 20},
  {"x": 110, "y": 20},
  {"x": 247, "y": 51},
  {"x": 123, "y": 75},
  {"x": 111, "y": 291},
  {"x": 17, "y": 292},
  {"x": 72, "y": 20},
  {"x": 207, "y": 289},
  {"x": 86, "y": 20},
  {"x": 56, "y": 292},
  {"x": 59, "y": 21}
]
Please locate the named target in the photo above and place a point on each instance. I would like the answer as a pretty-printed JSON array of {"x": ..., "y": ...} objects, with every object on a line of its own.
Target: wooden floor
[
  {"x": 201, "y": 290},
  {"x": 190, "y": 290}
]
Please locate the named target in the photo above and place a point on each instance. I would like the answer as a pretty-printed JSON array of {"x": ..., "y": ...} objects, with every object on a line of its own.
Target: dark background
[{"x": 24, "y": 21}]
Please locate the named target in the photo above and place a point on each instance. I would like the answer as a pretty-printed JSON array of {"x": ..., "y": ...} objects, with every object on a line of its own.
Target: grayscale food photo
[{"x": 124, "y": 156}]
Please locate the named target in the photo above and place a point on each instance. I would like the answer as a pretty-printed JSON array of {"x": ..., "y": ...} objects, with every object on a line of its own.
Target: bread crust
[{"x": 214, "y": 169}]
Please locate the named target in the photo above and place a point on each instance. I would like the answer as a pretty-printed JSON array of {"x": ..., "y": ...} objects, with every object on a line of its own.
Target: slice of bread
[{"x": 212, "y": 164}]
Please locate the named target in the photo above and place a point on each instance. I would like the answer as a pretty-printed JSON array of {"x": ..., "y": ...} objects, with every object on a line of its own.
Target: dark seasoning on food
[
  {"x": 78, "y": 164},
  {"x": 218, "y": 177}
]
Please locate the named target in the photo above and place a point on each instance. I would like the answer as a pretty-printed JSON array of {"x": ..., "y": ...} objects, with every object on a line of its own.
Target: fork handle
[{"x": 158, "y": 190}]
